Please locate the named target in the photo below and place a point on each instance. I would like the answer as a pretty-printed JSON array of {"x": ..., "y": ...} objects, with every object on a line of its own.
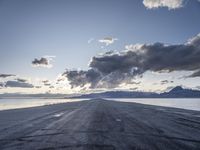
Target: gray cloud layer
[
  {"x": 195, "y": 74},
  {"x": 18, "y": 84},
  {"x": 114, "y": 68},
  {"x": 6, "y": 75},
  {"x": 21, "y": 80}
]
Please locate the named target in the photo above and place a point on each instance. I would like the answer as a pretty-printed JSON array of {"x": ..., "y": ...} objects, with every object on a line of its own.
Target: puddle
[
  {"x": 58, "y": 115},
  {"x": 118, "y": 120}
]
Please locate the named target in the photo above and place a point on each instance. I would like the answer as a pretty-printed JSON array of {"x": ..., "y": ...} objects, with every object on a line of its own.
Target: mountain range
[{"x": 177, "y": 92}]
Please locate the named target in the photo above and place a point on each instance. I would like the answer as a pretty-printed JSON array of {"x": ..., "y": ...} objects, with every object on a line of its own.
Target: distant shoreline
[{"x": 176, "y": 92}]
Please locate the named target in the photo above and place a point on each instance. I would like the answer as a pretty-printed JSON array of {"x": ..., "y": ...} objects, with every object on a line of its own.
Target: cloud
[
  {"x": 90, "y": 40},
  {"x": 6, "y": 75},
  {"x": 21, "y": 80},
  {"x": 198, "y": 87},
  {"x": 38, "y": 87},
  {"x": 60, "y": 79},
  {"x": 45, "y": 81},
  {"x": 81, "y": 78},
  {"x": 170, "y": 4},
  {"x": 2, "y": 84},
  {"x": 114, "y": 68},
  {"x": 165, "y": 82},
  {"x": 137, "y": 83},
  {"x": 133, "y": 89},
  {"x": 108, "y": 40},
  {"x": 169, "y": 88},
  {"x": 47, "y": 84},
  {"x": 43, "y": 62},
  {"x": 195, "y": 74},
  {"x": 18, "y": 84}
]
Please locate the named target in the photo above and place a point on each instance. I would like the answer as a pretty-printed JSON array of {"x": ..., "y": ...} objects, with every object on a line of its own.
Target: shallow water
[
  {"x": 25, "y": 103},
  {"x": 185, "y": 103}
]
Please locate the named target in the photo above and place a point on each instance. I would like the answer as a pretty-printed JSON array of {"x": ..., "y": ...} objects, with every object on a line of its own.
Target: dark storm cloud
[
  {"x": 18, "y": 84},
  {"x": 156, "y": 57},
  {"x": 112, "y": 62},
  {"x": 6, "y": 75},
  {"x": 81, "y": 78},
  {"x": 21, "y": 80},
  {"x": 114, "y": 68},
  {"x": 43, "y": 62}
]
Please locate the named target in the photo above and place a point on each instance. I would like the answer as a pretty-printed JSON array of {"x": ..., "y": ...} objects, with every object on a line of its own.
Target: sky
[{"x": 69, "y": 46}]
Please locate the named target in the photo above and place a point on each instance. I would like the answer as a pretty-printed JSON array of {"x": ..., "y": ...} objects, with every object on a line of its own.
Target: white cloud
[
  {"x": 90, "y": 40},
  {"x": 170, "y": 4},
  {"x": 108, "y": 40},
  {"x": 134, "y": 47}
]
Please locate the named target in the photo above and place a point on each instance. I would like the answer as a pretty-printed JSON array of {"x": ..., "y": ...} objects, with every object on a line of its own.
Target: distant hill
[
  {"x": 117, "y": 94},
  {"x": 177, "y": 92}
]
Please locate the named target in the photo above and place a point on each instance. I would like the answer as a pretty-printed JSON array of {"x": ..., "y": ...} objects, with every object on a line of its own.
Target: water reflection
[
  {"x": 191, "y": 104},
  {"x": 25, "y": 103},
  {"x": 185, "y": 103}
]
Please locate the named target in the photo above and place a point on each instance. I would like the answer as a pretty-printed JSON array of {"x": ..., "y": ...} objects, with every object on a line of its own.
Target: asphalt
[{"x": 100, "y": 125}]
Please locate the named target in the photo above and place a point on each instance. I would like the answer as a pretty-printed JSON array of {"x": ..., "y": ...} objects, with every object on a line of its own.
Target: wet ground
[{"x": 100, "y": 125}]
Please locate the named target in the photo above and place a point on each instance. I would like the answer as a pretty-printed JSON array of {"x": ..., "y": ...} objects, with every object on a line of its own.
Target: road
[{"x": 100, "y": 125}]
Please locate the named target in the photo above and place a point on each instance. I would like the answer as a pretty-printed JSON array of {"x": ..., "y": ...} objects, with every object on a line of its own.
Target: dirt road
[{"x": 100, "y": 125}]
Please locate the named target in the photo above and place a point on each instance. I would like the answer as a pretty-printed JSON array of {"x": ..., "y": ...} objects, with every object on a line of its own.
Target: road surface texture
[{"x": 100, "y": 125}]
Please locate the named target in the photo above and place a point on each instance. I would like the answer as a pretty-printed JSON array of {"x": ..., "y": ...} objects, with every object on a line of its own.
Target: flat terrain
[{"x": 100, "y": 125}]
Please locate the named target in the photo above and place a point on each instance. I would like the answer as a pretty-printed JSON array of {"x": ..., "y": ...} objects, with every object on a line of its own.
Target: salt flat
[{"x": 100, "y": 124}]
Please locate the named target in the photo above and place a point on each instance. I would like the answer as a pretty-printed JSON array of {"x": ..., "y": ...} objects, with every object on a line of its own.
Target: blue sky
[{"x": 61, "y": 28}]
